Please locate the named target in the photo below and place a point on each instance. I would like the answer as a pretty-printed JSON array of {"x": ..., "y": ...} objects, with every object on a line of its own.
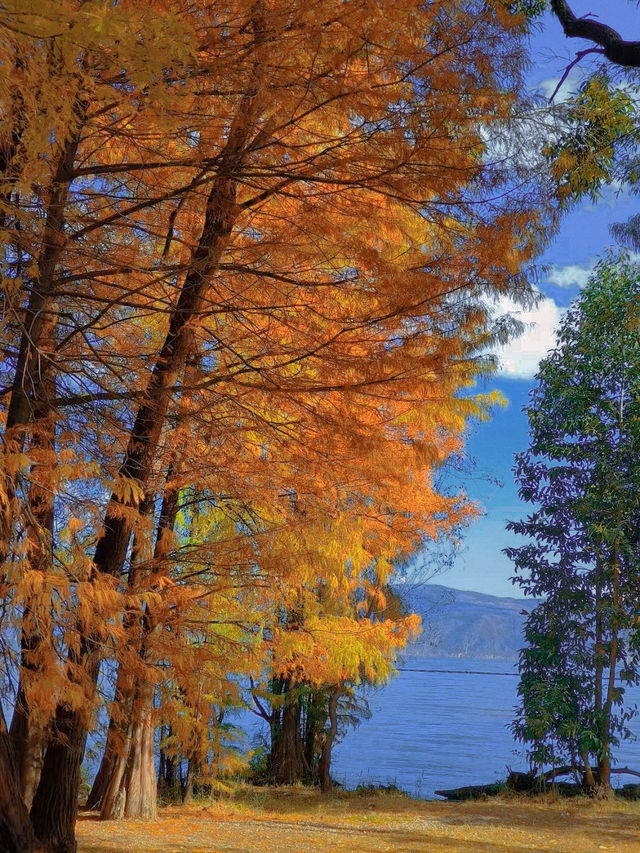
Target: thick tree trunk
[
  {"x": 132, "y": 791},
  {"x": 28, "y": 740},
  {"x": 55, "y": 804},
  {"x": 288, "y": 760},
  {"x": 16, "y": 829}
]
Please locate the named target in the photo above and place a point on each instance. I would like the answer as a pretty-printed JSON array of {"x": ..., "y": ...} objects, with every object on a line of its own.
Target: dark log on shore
[
  {"x": 527, "y": 783},
  {"x": 472, "y": 792}
]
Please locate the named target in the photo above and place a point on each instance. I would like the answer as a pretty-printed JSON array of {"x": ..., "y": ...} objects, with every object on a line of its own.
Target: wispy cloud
[{"x": 571, "y": 275}]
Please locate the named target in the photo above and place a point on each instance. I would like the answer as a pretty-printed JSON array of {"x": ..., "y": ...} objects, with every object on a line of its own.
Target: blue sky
[{"x": 583, "y": 236}]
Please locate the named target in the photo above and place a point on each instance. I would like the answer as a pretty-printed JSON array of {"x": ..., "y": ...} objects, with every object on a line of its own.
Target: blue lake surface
[{"x": 431, "y": 730}]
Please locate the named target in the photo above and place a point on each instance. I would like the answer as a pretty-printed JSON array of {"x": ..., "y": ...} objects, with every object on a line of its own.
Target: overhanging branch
[{"x": 616, "y": 49}]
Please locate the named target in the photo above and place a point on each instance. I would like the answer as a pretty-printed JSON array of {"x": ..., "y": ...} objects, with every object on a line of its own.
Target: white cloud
[
  {"x": 519, "y": 358},
  {"x": 550, "y": 85},
  {"x": 572, "y": 275}
]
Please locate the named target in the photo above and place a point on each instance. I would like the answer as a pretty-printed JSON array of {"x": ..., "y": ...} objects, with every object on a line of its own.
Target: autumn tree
[
  {"x": 247, "y": 255},
  {"x": 581, "y": 473}
]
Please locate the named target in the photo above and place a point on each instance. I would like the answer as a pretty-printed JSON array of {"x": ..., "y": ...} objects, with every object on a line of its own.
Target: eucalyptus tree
[{"x": 581, "y": 472}]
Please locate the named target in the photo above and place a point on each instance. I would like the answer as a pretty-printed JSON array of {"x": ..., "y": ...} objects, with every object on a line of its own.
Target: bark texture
[
  {"x": 131, "y": 791},
  {"x": 16, "y": 830},
  {"x": 288, "y": 761}
]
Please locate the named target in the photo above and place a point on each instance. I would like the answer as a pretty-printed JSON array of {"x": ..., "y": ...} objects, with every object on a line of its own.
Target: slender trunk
[
  {"x": 162, "y": 761},
  {"x": 187, "y": 791},
  {"x": 599, "y": 646},
  {"x": 40, "y": 317},
  {"x": 327, "y": 745},
  {"x": 115, "y": 753},
  {"x": 28, "y": 732},
  {"x": 106, "y": 769},
  {"x": 315, "y": 719},
  {"x": 604, "y": 765},
  {"x": 170, "y": 773},
  {"x": 589, "y": 781}
]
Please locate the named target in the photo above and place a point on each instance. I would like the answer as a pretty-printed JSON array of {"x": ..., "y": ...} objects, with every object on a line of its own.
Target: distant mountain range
[{"x": 462, "y": 624}]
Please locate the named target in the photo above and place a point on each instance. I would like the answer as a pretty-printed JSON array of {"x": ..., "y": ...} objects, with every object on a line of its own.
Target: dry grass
[{"x": 254, "y": 820}]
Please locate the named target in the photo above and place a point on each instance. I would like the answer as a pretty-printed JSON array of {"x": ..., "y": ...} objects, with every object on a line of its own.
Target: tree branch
[
  {"x": 616, "y": 49},
  {"x": 579, "y": 55}
]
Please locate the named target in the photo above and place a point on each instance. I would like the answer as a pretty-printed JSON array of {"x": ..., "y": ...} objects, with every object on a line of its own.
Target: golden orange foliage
[{"x": 247, "y": 252}]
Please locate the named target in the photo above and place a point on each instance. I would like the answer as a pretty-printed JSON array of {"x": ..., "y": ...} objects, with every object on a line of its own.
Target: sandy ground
[{"x": 258, "y": 821}]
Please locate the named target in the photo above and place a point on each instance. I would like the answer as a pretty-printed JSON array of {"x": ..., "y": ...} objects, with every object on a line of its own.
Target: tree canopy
[
  {"x": 247, "y": 263},
  {"x": 582, "y": 474}
]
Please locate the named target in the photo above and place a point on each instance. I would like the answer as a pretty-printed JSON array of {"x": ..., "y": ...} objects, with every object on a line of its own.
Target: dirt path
[{"x": 301, "y": 822}]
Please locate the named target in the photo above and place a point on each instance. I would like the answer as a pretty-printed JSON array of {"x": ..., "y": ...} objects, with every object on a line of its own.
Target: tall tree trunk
[
  {"x": 109, "y": 557},
  {"x": 40, "y": 317},
  {"x": 27, "y": 392},
  {"x": 55, "y": 804},
  {"x": 105, "y": 771},
  {"x": 30, "y": 401},
  {"x": 132, "y": 791},
  {"x": 27, "y": 731},
  {"x": 187, "y": 791},
  {"x": 327, "y": 745},
  {"x": 288, "y": 760},
  {"x": 169, "y": 772},
  {"x": 29, "y": 738},
  {"x": 604, "y": 764},
  {"x": 599, "y": 646},
  {"x": 16, "y": 829},
  {"x": 314, "y": 723}
]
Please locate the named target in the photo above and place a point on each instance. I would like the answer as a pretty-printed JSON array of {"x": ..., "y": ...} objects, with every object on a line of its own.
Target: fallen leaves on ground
[{"x": 261, "y": 821}]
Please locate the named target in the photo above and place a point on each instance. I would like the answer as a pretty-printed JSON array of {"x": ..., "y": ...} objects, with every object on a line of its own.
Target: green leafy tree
[{"x": 582, "y": 559}]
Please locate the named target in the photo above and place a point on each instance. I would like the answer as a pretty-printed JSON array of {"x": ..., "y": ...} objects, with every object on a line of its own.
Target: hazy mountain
[{"x": 458, "y": 624}]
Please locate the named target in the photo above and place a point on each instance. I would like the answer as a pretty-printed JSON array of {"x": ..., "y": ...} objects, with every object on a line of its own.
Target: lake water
[{"x": 444, "y": 729}]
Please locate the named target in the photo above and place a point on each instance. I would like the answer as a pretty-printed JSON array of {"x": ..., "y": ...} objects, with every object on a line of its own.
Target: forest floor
[{"x": 295, "y": 820}]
